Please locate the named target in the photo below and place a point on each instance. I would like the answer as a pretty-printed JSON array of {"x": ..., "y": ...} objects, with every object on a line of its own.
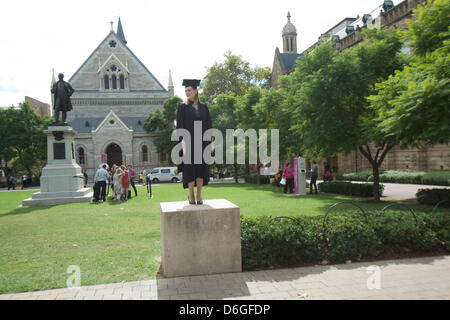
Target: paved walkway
[{"x": 419, "y": 278}]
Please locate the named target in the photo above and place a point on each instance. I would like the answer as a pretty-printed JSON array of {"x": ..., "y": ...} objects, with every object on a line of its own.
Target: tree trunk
[
  {"x": 376, "y": 181},
  {"x": 376, "y": 162},
  {"x": 236, "y": 178}
]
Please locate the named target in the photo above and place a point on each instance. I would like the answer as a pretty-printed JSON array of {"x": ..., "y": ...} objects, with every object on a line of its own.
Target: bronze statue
[{"x": 62, "y": 91}]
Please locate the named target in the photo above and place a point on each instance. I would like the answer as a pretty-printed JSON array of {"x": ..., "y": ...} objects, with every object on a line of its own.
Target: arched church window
[
  {"x": 144, "y": 154},
  {"x": 81, "y": 156},
  {"x": 292, "y": 44},
  {"x": 114, "y": 81},
  {"x": 122, "y": 81},
  {"x": 287, "y": 45},
  {"x": 106, "y": 81}
]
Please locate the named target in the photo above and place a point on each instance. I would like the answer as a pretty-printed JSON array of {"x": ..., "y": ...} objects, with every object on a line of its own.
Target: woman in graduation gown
[{"x": 193, "y": 110}]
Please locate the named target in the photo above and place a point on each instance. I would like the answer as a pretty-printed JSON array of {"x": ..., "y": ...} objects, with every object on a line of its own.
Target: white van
[{"x": 165, "y": 174}]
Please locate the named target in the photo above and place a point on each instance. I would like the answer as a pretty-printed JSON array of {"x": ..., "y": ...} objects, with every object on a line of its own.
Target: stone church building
[
  {"x": 348, "y": 33},
  {"x": 114, "y": 94}
]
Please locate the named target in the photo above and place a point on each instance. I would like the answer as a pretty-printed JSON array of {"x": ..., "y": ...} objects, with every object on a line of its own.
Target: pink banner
[
  {"x": 296, "y": 175},
  {"x": 104, "y": 158}
]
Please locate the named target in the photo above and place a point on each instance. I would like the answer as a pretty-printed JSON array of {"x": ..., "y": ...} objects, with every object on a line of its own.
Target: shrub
[
  {"x": 394, "y": 176},
  {"x": 433, "y": 196},
  {"x": 348, "y": 238},
  {"x": 253, "y": 178},
  {"x": 355, "y": 176},
  {"x": 341, "y": 237},
  {"x": 355, "y": 189},
  {"x": 437, "y": 178}
]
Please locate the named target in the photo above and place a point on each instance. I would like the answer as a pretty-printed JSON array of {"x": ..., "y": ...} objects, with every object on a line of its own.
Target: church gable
[
  {"x": 113, "y": 66},
  {"x": 111, "y": 124}
]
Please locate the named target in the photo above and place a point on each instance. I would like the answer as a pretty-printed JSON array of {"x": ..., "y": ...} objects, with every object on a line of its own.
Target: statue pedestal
[
  {"x": 62, "y": 180},
  {"x": 200, "y": 239}
]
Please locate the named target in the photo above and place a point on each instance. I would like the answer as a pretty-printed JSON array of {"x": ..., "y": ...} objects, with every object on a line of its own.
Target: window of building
[
  {"x": 106, "y": 81},
  {"x": 144, "y": 154},
  {"x": 162, "y": 157},
  {"x": 114, "y": 81},
  {"x": 81, "y": 156},
  {"x": 122, "y": 81}
]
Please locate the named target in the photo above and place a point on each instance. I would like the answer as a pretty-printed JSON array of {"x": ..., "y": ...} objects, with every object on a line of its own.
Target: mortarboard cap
[{"x": 191, "y": 83}]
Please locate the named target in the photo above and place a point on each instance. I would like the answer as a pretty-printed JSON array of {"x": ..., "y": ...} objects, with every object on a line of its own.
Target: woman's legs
[
  {"x": 191, "y": 190},
  {"x": 199, "y": 188}
]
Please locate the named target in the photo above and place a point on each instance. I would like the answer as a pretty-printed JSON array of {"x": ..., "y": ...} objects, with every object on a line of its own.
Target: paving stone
[{"x": 112, "y": 297}]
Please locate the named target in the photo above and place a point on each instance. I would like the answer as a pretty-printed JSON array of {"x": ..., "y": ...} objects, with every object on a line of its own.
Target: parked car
[{"x": 162, "y": 174}]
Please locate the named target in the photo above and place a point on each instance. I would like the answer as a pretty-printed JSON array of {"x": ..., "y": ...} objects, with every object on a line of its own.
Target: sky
[{"x": 185, "y": 37}]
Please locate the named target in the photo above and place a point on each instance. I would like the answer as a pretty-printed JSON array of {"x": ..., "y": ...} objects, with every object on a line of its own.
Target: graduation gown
[{"x": 186, "y": 115}]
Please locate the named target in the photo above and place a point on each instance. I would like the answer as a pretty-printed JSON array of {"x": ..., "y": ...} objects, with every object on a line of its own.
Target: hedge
[
  {"x": 437, "y": 178},
  {"x": 433, "y": 196},
  {"x": 440, "y": 178},
  {"x": 253, "y": 178},
  {"x": 340, "y": 237},
  {"x": 355, "y": 189}
]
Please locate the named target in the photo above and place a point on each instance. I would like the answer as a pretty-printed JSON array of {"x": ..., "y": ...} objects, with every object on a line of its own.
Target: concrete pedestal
[
  {"x": 200, "y": 239},
  {"x": 61, "y": 179}
]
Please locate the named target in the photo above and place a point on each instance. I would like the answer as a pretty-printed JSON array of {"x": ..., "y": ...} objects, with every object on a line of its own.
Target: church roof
[
  {"x": 289, "y": 60},
  {"x": 86, "y": 125},
  {"x": 120, "y": 36}
]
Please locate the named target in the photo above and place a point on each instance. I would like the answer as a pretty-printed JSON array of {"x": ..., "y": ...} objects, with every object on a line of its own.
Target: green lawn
[{"x": 113, "y": 242}]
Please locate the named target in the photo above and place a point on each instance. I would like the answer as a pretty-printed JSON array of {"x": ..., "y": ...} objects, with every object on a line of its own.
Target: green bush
[
  {"x": 340, "y": 237},
  {"x": 394, "y": 176},
  {"x": 355, "y": 189},
  {"x": 355, "y": 176},
  {"x": 433, "y": 196},
  {"x": 437, "y": 178},
  {"x": 348, "y": 238},
  {"x": 253, "y": 178}
]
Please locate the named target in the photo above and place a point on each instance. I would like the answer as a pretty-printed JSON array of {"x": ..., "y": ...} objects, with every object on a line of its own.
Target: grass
[{"x": 113, "y": 242}]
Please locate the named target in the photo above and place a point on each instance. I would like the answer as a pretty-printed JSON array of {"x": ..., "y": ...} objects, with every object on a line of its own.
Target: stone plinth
[
  {"x": 200, "y": 239},
  {"x": 61, "y": 179}
]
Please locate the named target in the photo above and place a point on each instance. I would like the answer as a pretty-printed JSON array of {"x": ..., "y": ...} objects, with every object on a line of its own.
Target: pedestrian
[
  {"x": 193, "y": 111},
  {"x": 11, "y": 182},
  {"x": 132, "y": 177},
  {"x": 141, "y": 178},
  {"x": 24, "y": 181},
  {"x": 288, "y": 173},
  {"x": 327, "y": 174},
  {"x": 85, "y": 175},
  {"x": 125, "y": 182},
  {"x": 118, "y": 188},
  {"x": 314, "y": 175},
  {"x": 100, "y": 178}
]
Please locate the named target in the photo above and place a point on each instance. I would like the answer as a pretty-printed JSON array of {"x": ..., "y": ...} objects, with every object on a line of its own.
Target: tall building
[
  {"x": 114, "y": 94},
  {"x": 41, "y": 108}
]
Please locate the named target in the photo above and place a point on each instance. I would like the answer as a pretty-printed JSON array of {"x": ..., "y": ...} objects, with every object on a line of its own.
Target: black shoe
[
  {"x": 191, "y": 202},
  {"x": 199, "y": 202}
]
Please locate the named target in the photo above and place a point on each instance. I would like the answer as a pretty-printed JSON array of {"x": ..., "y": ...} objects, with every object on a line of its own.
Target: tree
[
  {"x": 26, "y": 145},
  {"x": 233, "y": 75},
  {"x": 223, "y": 117},
  {"x": 430, "y": 27},
  {"x": 328, "y": 91},
  {"x": 412, "y": 105},
  {"x": 163, "y": 122}
]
